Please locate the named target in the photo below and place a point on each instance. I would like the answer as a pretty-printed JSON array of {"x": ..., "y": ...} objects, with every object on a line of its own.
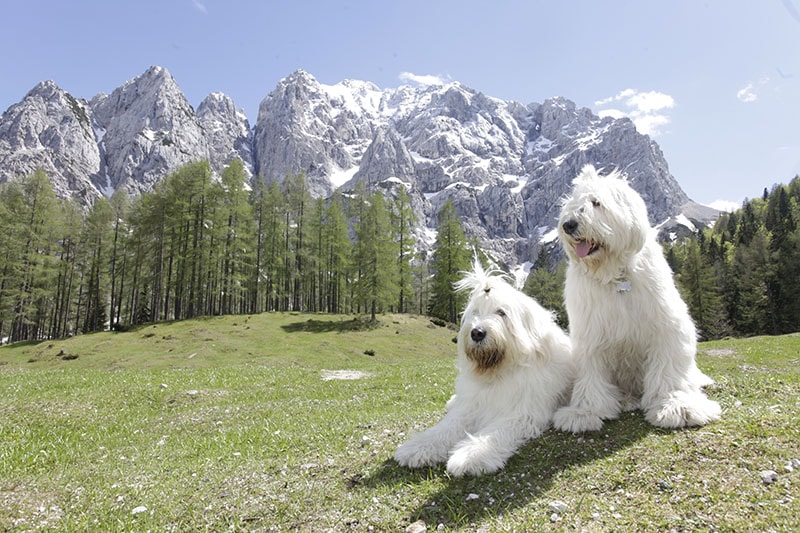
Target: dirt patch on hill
[
  {"x": 719, "y": 352},
  {"x": 345, "y": 375}
]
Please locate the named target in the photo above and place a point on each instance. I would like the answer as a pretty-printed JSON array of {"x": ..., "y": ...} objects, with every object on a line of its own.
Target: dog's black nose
[
  {"x": 570, "y": 226},
  {"x": 477, "y": 334}
]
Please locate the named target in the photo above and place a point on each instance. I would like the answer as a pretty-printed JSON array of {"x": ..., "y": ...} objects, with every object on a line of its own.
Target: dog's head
[
  {"x": 500, "y": 324},
  {"x": 603, "y": 220}
]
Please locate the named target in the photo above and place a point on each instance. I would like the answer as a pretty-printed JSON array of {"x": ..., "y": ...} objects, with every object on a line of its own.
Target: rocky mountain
[
  {"x": 505, "y": 165},
  {"x": 53, "y": 131}
]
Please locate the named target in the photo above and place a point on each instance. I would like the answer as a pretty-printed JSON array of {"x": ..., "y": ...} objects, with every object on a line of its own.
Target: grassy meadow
[{"x": 289, "y": 422}]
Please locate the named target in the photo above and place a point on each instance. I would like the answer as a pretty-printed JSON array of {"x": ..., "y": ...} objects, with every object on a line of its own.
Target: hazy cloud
[
  {"x": 647, "y": 110},
  {"x": 200, "y": 6},
  {"x": 422, "y": 79},
  {"x": 751, "y": 92}
]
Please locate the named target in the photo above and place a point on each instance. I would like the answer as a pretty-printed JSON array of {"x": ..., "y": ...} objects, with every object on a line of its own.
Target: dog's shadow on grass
[{"x": 526, "y": 477}]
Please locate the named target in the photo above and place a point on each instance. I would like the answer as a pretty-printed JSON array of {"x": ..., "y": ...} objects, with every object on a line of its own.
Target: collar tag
[{"x": 624, "y": 286}]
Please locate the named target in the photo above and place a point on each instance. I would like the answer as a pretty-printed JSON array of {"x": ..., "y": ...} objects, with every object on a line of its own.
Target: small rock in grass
[
  {"x": 138, "y": 510},
  {"x": 472, "y": 496},
  {"x": 417, "y": 527},
  {"x": 769, "y": 477},
  {"x": 558, "y": 507}
]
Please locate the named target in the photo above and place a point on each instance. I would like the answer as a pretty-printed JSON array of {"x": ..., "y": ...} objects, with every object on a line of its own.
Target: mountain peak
[
  {"x": 45, "y": 90},
  {"x": 504, "y": 165}
]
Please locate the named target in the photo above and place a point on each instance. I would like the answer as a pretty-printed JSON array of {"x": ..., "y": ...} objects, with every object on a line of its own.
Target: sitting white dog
[
  {"x": 515, "y": 369},
  {"x": 633, "y": 340}
]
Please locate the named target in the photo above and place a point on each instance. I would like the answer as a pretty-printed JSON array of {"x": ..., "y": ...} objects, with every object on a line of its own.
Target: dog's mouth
[
  {"x": 485, "y": 357},
  {"x": 586, "y": 248}
]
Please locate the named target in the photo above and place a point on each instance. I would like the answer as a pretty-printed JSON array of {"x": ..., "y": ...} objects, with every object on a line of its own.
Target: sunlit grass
[{"x": 233, "y": 423}]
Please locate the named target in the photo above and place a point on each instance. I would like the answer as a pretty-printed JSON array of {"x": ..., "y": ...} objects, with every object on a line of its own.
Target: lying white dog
[
  {"x": 514, "y": 371},
  {"x": 633, "y": 340}
]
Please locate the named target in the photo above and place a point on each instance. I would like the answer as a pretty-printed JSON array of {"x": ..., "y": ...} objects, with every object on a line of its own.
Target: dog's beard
[{"x": 485, "y": 355}]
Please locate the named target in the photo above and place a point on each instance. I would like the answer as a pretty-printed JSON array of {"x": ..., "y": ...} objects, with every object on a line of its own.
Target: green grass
[{"x": 232, "y": 424}]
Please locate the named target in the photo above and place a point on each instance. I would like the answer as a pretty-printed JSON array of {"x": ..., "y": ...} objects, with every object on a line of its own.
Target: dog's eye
[
  {"x": 500, "y": 312},
  {"x": 595, "y": 202}
]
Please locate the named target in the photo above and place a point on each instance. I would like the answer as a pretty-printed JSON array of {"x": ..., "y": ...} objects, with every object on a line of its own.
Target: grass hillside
[{"x": 289, "y": 421}]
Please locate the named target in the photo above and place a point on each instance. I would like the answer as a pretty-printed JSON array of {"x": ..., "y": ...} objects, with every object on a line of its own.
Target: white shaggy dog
[
  {"x": 633, "y": 340},
  {"x": 514, "y": 368}
]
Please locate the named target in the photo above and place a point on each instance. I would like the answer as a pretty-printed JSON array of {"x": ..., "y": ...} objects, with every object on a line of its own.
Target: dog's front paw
[
  {"x": 682, "y": 410},
  {"x": 473, "y": 458},
  {"x": 576, "y": 420},
  {"x": 416, "y": 453}
]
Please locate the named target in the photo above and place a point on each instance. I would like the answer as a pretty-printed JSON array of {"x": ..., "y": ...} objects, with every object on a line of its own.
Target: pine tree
[
  {"x": 119, "y": 205},
  {"x": 545, "y": 284},
  {"x": 94, "y": 252},
  {"x": 69, "y": 240},
  {"x": 748, "y": 299},
  {"x": 236, "y": 239},
  {"x": 31, "y": 273},
  {"x": 267, "y": 205},
  {"x": 696, "y": 280},
  {"x": 450, "y": 257},
  {"x": 336, "y": 256},
  {"x": 403, "y": 222},
  {"x": 376, "y": 256}
]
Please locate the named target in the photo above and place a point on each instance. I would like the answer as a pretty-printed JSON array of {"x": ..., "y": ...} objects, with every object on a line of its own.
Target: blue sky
[{"x": 716, "y": 82}]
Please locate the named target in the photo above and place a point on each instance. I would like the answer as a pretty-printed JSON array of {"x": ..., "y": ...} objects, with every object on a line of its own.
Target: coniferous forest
[{"x": 197, "y": 245}]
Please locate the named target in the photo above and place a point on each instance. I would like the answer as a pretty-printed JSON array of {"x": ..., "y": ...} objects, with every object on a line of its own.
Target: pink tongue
[{"x": 582, "y": 249}]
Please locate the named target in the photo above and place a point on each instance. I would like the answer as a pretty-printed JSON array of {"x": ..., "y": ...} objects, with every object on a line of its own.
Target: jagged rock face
[
  {"x": 227, "y": 132},
  {"x": 147, "y": 128},
  {"x": 504, "y": 165},
  {"x": 51, "y": 130},
  {"x": 562, "y": 139},
  {"x": 302, "y": 127},
  {"x": 131, "y": 138}
]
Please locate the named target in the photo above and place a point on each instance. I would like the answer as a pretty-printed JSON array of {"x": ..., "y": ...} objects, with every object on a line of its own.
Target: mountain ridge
[{"x": 504, "y": 165}]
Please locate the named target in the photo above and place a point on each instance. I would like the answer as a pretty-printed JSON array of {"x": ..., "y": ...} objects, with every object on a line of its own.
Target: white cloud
[
  {"x": 752, "y": 91},
  {"x": 725, "y": 206},
  {"x": 422, "y": 79},
  {"x": 201, "y": 7},
  {"x": 647, "y": 110},
  {"x": 747, "y": 94}
]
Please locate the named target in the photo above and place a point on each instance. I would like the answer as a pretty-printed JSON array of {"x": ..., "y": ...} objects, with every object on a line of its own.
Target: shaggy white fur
[
  {"x": 633, "y": 340},
  {"x": 514, "y": 371}
]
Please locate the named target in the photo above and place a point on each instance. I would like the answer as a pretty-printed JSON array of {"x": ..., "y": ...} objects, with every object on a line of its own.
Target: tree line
[
  {"x": 739, "y": 277},
  {"x": 199, "y": 245}
]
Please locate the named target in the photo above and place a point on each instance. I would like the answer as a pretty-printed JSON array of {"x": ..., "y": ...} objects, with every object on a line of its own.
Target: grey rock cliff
[
  {"x": 504, "y": 165},
  {"x": 227, "y": 132},
  {"x": 51, "y": 130},
  {"x": 147, "y": 128}
]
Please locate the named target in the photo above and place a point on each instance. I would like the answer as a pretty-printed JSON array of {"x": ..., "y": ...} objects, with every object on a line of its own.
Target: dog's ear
[{"x": 527, "y": 325}]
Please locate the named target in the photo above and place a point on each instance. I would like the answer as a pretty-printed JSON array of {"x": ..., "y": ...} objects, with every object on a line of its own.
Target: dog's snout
[
  {"x": 570, "y": 226},
  {"x": 477, "y": 334}
]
